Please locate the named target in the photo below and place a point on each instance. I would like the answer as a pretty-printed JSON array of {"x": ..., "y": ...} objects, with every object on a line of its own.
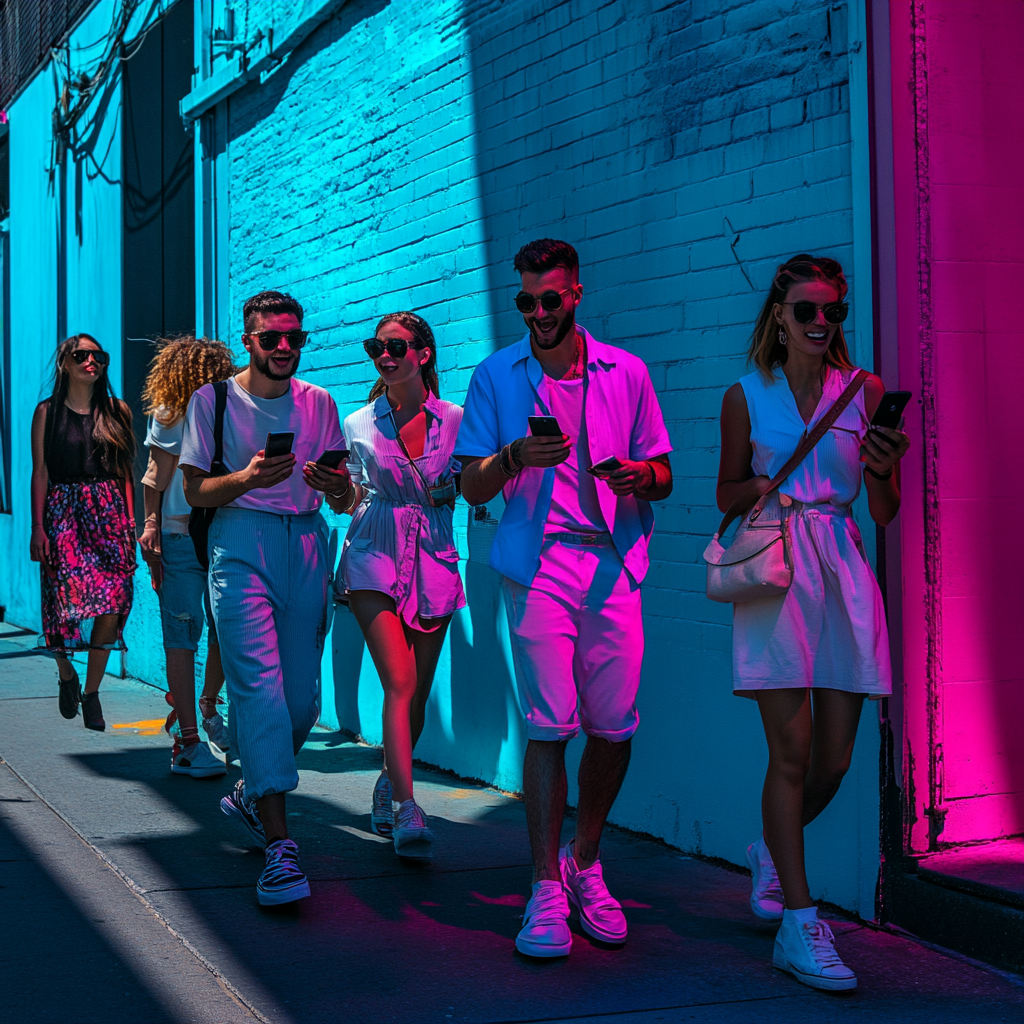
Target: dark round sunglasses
[
  {"x": 396, "y": 347},
  {"x": 550, "y": 300},
  {"x": 81, "y": 354},
  {"x": 269, "y": 340},
  {"x": 806, "y": 312}
]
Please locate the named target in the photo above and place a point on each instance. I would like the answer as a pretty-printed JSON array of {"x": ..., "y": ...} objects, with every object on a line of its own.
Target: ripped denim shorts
[{"x": 184, "y": 595}]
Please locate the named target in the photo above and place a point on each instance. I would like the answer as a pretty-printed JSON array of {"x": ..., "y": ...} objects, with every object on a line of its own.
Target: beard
[
  {"x": 263, "y": 366},
  {"x": 563, "y": 329}
]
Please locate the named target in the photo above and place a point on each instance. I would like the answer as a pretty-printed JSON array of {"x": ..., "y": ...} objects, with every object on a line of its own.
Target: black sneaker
[
  {"x": 92, "y": 712},
  {"x": 236, "y": 805},
  {"x": 282, "y": 881},
  {"x": 70, "y": 695}
]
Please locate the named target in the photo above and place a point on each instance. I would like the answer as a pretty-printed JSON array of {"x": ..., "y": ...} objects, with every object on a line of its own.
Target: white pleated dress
[{"x": 828, "y": 630}]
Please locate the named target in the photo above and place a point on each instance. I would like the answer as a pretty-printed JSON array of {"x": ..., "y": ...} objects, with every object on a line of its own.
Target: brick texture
[{"x": 406, "y": 150}]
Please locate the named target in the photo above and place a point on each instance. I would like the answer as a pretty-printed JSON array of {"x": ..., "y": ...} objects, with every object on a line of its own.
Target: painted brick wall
[{"x": 399, "y": 159}]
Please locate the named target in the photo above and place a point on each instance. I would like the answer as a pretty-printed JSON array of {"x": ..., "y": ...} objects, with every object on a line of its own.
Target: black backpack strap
[{"x": 220, "y": 390}]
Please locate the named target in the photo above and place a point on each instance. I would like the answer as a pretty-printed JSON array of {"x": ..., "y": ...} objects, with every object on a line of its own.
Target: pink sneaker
[
  {"x": 545, "y": 930},
  {"x": 601, "y": 914}
]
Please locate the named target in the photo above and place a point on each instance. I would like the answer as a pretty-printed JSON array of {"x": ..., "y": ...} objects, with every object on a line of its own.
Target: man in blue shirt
[{"x": 572, "y": 548}]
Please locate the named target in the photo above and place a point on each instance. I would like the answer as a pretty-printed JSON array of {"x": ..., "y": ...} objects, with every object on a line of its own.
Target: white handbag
[{"x": 758, "y": 562}]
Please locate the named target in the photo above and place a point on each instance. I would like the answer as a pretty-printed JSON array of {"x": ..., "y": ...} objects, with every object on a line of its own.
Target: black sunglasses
[
  {"x": 396, "y": 347},
  {"x": 806, "y": 312},
  {"x": 550, "y": 300},
  {"x": 269, "y": 340},
  {"x": 81, "y": 354}
]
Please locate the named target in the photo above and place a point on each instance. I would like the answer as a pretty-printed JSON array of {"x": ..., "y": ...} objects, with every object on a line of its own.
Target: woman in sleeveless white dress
[{"x": 809, "y": 656}]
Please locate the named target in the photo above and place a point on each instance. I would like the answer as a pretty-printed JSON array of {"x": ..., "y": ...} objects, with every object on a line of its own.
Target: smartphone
[
  {"x": 332, "y": 457},
  {"x": 605, "y": 467},
  {"x": 278, "y": 444},
  {"x": 890, "y": 409},
  {"x": 544, "y": 426}
]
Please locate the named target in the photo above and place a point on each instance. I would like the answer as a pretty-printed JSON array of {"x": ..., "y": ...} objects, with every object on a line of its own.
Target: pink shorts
[{"x": 577, "y": 642}]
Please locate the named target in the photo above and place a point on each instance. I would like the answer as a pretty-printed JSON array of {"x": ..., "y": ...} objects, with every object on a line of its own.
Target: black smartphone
[
  {"x": 605, "y": 466},
  {"x": 890, "y": 409},
  {"x": 544, "y": 426},
  {"x": 332, "y": 457},
  {"x": 278, "y": 444}
]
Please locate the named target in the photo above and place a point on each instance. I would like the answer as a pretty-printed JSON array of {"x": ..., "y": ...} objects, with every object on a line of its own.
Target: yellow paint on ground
[{"x": 150, "y": 727}]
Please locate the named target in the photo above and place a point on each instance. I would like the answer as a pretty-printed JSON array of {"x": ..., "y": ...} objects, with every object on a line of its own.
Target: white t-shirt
[
  {"x": 175, "y": 509},
  {"x": 305, "y": 409},
  {"x": 574, "y": 504}
]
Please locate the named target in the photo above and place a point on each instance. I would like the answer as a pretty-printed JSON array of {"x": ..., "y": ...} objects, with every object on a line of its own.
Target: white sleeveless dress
[{"x": 828, "y": 630}]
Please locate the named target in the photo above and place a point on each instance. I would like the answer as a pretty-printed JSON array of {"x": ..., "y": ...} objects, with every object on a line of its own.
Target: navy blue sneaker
[
  {"x": 236, "y": 805},
  {"x": 282, "y": 881}
]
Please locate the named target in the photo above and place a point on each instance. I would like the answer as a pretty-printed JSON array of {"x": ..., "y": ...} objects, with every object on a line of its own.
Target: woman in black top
[{"x": 83, "y": 533}]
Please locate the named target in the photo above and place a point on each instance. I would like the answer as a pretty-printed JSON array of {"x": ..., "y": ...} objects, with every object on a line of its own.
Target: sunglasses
[
  {"x": 807, "y": 312},
  {"x": 269, "y": 340},
  {"x": 80, "y": 355},
  {"x": 396, "y": 347},
  {"x": 550, "y": 300}
]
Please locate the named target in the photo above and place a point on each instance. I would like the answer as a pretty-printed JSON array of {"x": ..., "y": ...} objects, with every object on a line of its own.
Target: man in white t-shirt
[
  {"x": 572, "y": 549},
  {"x": 268, "y": 567}
]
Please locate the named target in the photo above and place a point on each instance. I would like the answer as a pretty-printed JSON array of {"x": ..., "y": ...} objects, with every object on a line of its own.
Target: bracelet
[
  {"x": 879, "y": 476},
  {"x": 152, "y": 518},
  {"x": 506, "y": 462},
  {"x": 654, "y": 478}
]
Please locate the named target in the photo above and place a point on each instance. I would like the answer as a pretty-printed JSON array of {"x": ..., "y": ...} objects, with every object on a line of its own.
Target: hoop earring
[{"x": 783, "y": 338}]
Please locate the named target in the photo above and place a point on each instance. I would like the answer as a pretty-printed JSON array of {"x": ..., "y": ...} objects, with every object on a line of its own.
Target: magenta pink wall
[{"x": 957, "y": 90}]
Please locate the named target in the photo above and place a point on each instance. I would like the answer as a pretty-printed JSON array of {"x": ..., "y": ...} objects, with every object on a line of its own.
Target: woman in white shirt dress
[
  {"x": 809, "y": 656},
  {"x": 399, "y": 565}
]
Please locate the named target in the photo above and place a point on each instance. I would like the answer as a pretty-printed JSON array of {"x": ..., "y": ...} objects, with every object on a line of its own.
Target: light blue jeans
[
  {"x": 183, "y": 594},
  {"x": 268, "y": 589}
]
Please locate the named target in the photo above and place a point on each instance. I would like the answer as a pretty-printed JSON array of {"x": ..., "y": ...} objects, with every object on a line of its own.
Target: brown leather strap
[{"x": 804, "y": 449}]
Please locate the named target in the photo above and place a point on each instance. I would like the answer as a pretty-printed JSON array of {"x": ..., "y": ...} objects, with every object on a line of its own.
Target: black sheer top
[{"x": 73, "y": 456}]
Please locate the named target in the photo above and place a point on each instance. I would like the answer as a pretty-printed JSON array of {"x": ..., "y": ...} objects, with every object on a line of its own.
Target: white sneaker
[
  {"x": 217, "y": 732},
  {"x": 545, "y": 930},
  {"x": 411, "y": 835},
  {"x": 766, "y": 899},
  {"x": 807, "y": 949},
  {"x": 601, "y": 914},
  {"x": 197, "y": 761}
]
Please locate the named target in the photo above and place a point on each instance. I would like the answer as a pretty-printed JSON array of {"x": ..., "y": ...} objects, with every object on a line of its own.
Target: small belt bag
[{"x": 758, "y": 562}]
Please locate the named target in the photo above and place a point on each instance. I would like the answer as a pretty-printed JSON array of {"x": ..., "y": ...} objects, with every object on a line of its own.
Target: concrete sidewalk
[{"x": 130, "y": 897}]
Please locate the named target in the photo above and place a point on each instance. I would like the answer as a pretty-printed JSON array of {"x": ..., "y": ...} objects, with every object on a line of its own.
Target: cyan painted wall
[
  {"x": 91, "y": 231},
  {"x": 400, "y": 157}
]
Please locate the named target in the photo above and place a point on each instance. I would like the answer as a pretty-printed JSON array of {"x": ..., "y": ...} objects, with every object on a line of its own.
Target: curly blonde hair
[{"x": 181, "y": 366}]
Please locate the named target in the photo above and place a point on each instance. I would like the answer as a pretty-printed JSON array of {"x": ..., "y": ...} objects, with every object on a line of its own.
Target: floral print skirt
[{"x": 92, "y": 561}]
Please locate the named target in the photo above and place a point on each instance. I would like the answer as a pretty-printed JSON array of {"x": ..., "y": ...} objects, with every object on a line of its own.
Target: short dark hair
[
  {"x": 546, "y": 254},
  {"x": 270, "y": 302}
]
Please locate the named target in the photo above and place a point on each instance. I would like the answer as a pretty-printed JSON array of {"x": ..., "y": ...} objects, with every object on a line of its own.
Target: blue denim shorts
[{"x": 184, "y": 595}]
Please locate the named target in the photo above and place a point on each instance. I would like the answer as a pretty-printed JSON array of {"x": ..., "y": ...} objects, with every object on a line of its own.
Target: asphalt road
[{"x": 128, "y": 896}]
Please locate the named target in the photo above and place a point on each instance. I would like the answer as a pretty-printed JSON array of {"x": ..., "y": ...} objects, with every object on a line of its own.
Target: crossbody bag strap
[
  {"x": 804, "y": 449},
  {"x": 405, "y": 452},
  {"x": 220, "y": 391}
]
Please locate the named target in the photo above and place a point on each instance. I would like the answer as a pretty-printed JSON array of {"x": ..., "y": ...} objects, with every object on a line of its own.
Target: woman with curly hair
[
  {"x": 83, "y": 533},
  {"x": 181, "y": 366}
]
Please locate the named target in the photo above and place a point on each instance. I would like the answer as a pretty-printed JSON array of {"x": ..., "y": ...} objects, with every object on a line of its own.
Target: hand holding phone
[
  {"x": 605, "y": 467},
  {"x": 332, "y": 458}
]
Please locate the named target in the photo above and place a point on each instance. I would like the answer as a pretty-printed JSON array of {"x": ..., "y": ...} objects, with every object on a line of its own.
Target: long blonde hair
[
  {"x": 766, "y": 351},
  {"x": 181, "y": 366}
]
